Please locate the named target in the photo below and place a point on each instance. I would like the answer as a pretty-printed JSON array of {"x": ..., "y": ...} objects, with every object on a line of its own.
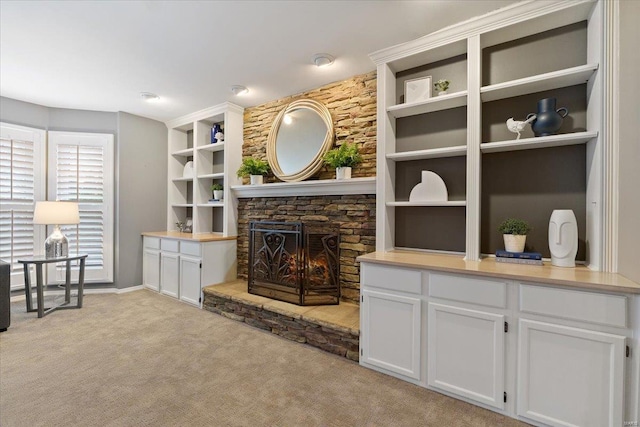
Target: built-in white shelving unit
[
  {"x": 188, "y": 197},
  {"x": 499, "y": 66}
]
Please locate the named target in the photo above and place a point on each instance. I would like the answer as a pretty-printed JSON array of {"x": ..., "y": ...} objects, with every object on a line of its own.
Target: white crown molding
[
  {"x": 203, "y": 114},
  {"x": 325, "y": 187}
]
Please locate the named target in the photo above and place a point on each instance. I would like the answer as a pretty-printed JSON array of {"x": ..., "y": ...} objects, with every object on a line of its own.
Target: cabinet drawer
[
  {"x": 392, "y": 278},
  {"x": 190, "y": 248},
  {"x": 152, "y": 243},
  {"x": 169, "y": 245},
  {"x": 603, "y": 309},
  {"x": 491, "y": 293}
]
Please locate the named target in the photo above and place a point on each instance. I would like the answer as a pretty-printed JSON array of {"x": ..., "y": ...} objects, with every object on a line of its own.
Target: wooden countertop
[
  {"x": 200, "y": 237},
  {"x": 577, "y": 277}
]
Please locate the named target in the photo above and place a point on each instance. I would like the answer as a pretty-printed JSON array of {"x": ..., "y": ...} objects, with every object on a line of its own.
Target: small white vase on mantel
[
  {"x": 514, "y": 242},
  {"x": 256, "y": 179},
  {"x": 343, "y": 173},
  {"x": 563, "y": 238}
]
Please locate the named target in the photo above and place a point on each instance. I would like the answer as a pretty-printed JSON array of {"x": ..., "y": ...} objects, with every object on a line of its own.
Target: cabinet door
[
  {"x": 169, "y": 278},
  {"x": 151, "y": 269},
  {"x": 466, "y": 353},
  {"x": 391, "y": 332},
  {"x": 190, "y": 279},
  {"x": 570, "y": 376}
]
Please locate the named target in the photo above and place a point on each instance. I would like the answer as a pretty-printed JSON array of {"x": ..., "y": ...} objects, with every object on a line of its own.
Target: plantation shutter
[
  {"x": 21, "y": 184},
  {"x": 81, "y": 170}
]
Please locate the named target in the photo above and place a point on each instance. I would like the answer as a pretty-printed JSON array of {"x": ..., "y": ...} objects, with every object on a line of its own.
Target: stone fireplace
[{"x": 295, "y": 262}]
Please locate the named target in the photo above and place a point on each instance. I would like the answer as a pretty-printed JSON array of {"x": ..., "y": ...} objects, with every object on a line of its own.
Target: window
[
  {"x": 81, "y": 169},
  {"x": 22, "y": 182}
]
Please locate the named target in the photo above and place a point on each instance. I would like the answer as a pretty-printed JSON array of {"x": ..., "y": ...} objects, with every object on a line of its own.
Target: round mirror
[{"x": 300, "y": 136}]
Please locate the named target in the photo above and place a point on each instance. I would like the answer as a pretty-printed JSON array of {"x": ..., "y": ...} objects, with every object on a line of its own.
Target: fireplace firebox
[{"x": 295, "y": 262}]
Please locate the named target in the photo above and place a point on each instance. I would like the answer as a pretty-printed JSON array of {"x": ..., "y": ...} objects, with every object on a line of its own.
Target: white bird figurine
[{"x": 516, "y": 126}]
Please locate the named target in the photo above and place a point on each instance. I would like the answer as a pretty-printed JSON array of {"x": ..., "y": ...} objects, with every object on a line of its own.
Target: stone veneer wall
[
  {"x": 352, "y": 104},
  {"x": 356, "y": 215}
]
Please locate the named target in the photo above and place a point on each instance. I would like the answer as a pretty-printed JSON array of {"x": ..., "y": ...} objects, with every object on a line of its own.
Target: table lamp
[{"x": 56, "y": 214}]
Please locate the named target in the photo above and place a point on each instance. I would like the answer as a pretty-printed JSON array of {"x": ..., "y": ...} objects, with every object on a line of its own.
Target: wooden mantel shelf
[{"x": 325, "y": 187}]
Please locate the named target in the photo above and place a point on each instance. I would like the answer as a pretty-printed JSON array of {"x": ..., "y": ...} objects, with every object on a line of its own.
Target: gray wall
[
  {"x": 141, "y": 193},
  {"x": 629, "y": 216},
  {"x": 140, "y": 172}
]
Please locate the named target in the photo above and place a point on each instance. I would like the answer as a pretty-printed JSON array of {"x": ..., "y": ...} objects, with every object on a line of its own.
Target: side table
[{"x": 39, "y": 262}]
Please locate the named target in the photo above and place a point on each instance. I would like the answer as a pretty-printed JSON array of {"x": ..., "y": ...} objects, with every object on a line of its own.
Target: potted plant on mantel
[
  {"x": 514, "y": 231},
  {"x": 343, "y": 159},
  {"x": 217, "y": 189},
  {"x": 254, "y": 168}
]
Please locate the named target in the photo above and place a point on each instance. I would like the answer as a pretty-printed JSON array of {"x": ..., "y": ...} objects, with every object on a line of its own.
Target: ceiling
[{"x": 99, "y": 55}]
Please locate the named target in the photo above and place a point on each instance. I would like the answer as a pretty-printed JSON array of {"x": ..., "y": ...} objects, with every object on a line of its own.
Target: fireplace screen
[{"x": 295, "y": 262}]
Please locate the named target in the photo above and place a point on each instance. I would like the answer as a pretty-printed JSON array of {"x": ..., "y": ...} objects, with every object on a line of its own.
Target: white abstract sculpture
[
  {"x": 431, "y": 189},
  {"x": 563, "y": 238},
  {"x": 516, "y": 126}
]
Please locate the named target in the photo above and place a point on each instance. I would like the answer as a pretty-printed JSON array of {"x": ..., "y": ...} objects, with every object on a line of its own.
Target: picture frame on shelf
[{"x": 416, "y": 90}]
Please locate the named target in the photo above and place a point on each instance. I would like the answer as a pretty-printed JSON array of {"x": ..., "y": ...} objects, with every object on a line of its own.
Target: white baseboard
[{"x": 109, "y": 290}]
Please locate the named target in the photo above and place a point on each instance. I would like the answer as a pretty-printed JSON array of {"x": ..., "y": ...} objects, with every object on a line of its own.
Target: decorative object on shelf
[
  {"x": 253, "y": 168},
  {"x": 216, "y": 134},
  {"x": 56, "y": 213},
  {"x": 517, "y": 126},
  {"x": 343, "y": 159},
  {"x": 431, "y": 189},
  {"x": 519, "y": 261},
  {"x": 416, "y": 90},
  {"x": 563, "y": 238},
  {"x": 188, "y": 225},
  {"x": 187, "y": 172},
  {"x": 218, "y": 192},
  {"x": 180, "y": 225},
  {"x": 514, "y": 232},
  {"x": 548, "y": 120},
  {"x": 441, "y": 86},
  {"x": 531, "y": 258}
]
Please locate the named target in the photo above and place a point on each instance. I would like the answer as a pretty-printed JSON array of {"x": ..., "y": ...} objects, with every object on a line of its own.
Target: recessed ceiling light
[
  {"x": 238, "y": 90},
  {"x": 149, "y": 97},
  {"x": 322, "y": 59}
]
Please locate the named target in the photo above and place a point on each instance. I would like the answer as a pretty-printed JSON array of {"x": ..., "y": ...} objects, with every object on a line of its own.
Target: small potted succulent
[
  {"x": 441, "y": 86},
  {"x": 254, "y": 168},
  {"x": 514, "y": 232},
  {"x": 343, "y": 159},
  {"x": 218, "y": 194}
]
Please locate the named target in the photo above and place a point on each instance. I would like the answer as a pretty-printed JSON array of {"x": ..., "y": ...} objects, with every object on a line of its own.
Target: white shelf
[
  {"x": 218, "y": 146},
  {"x": 449, "y": 203},
  {"x": 182, "y": 205},
  {"x": 182, "y": 179},
  {"x": 187, "y": 152},
  {"x": 538, "y": 142},
  {"x": 212, "y": 176},
  {"x": 437, "y": 103},
  {"x": 211, "y": 205},
  {"x": 541, "y": 82},
  {"x": 325, "y": 187},
  {"x": 431, "y": 153}
]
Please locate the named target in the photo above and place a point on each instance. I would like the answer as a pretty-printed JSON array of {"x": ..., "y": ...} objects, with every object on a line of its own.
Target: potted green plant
[
  {"x": 343, "y": 159},
  {"x": 253, "y": 168},
  {"x": 514, "y": 231},
  {"x": 218, "y": 194},
  {"x": 441, "y": 86}
]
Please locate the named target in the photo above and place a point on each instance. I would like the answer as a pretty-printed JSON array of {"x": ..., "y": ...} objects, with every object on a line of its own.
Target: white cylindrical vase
[
  {"x": 256, "y": 179},
  {"x": 563, "y": 238}
]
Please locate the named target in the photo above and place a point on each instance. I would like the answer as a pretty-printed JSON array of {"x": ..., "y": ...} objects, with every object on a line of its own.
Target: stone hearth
[{"x": 332, "y": 328}]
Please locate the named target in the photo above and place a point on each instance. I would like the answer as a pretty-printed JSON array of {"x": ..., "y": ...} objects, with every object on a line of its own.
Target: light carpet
[{"x": 142, "y": 359}]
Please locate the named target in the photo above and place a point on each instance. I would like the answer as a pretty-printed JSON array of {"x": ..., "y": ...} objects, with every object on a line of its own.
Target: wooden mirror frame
[{"x": 316, "y": 163}]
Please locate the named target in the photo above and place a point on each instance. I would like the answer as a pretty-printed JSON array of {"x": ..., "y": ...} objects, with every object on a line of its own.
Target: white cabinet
[
  {"x": 169, "y": 269},
  {"x": 190, "y": 279},
  {"x": 466, "y": 353},
  {"x": 390, "y": 332},
  {"x": 570, "y": 376},
  {"x": 181, "y": 267},
  {"x": 151, "y": 273}
]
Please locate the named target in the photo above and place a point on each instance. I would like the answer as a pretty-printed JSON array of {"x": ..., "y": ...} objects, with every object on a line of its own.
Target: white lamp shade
[{"x": 56, "y": 213}]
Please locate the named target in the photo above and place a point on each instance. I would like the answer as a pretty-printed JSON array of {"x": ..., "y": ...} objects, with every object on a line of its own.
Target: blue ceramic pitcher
[{"x": 548, "y": 120}]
